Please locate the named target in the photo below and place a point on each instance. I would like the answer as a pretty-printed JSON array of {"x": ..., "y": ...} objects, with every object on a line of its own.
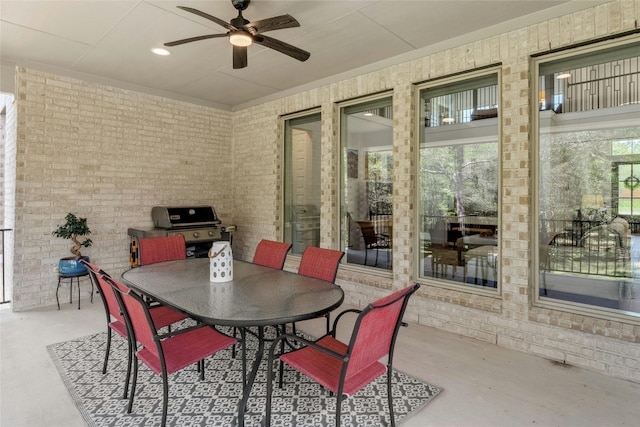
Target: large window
[
  {"x": 367, "y": 174},
  {"x": 458, "y": 181},
  {"x": 302, "y": 182},
  {"x": 588, "y": 178}
]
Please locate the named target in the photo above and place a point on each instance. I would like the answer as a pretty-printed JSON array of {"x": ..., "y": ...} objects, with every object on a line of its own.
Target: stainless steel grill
[
  {"x": 199, "y": 225},
  {"x": 306, "y": 227}
]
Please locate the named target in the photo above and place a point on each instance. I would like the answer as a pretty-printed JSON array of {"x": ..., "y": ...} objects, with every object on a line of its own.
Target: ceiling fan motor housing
[
  {"x": 238, "y": 21},
  {"x": 240, "y": 4}
]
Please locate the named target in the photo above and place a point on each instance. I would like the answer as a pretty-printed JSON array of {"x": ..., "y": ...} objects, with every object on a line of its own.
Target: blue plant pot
[{"x": 71, "y": 266}]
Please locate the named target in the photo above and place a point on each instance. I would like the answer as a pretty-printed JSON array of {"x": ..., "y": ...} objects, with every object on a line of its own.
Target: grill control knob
[{"x": 196, "y": 234}]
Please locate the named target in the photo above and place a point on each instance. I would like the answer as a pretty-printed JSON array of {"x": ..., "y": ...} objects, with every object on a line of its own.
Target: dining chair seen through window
[{"x": 373, "y": 240}]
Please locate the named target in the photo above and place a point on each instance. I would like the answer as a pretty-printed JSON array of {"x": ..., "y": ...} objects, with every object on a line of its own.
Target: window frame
[
  {"x": 283, "y": 182},
  {"x": 341, "y": 218},
  {"x": 537, "y": 62},
  {"x": 494, "y": 69}
]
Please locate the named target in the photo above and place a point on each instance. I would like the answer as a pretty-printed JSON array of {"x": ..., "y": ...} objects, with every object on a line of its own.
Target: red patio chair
[
  {"x": 167, "y": 353},
  {"x": 322, "y": 264},
  {"x": 162, "y": 316},
  {"x": 346, "y": 368},
  {"x": 160, "y": 249},
  {"x": 271, "y": 254}
]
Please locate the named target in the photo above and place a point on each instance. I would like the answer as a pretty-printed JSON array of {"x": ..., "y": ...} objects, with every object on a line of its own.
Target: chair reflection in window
[
  {"x": 373, "y": 240},
  {"x": 442, "y": 254}
]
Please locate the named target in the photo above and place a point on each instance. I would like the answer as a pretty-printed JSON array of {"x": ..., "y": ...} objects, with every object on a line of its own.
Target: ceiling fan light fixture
[{"x": 240, "y": 38}]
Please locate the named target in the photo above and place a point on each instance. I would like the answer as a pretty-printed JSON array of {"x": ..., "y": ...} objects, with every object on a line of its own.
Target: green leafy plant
[{"x": 73, "y": 228}]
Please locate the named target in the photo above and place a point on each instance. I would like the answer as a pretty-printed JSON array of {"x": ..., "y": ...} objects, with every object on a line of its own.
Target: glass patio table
[{"x": 256, "y": 297}]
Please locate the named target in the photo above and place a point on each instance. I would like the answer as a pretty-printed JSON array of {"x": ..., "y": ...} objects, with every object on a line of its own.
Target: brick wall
[
  {"x": 109, "y": 155},
  {"x": 509, "y": 319},
  {"x": 8, "y": 184}
]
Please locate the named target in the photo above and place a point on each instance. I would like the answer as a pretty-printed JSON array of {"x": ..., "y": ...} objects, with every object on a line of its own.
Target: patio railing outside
[{"x": 586, "y": 247}]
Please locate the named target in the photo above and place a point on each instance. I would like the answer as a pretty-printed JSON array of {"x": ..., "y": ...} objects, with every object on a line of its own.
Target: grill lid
[{"x": 176, "y": 217}]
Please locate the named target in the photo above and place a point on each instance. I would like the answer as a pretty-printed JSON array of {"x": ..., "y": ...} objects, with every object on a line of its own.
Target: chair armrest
[
  {"x": 339, "y": 316},
  {"x": 161, "y": 337},
  {"x": 306, "y": 342}
]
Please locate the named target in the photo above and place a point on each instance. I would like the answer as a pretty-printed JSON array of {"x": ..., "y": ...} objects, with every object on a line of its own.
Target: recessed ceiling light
[
  {"x": 160, "y": 51},
  {"x": 448, "y": 120},
  {"x": 368, "y": 114},
  {"x": 563, "y": 76}
]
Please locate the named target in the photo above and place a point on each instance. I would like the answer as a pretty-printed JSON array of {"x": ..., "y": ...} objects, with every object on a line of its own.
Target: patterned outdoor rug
[{"x": 213, "y": 402}]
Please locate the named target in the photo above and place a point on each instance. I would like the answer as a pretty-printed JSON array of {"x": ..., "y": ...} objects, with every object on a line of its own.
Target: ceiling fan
[{"x": 243, "y": 33}]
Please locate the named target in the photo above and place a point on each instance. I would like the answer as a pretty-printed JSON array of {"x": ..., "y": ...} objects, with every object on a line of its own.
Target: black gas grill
[{"x": 199, "y": 225}]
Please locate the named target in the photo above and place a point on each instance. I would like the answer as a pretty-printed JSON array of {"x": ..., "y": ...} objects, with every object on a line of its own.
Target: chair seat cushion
[
  {"x": 119, "y": 327},
  {"x": 165, "y": 316},
  {"x": 325, "y": 369},
  {"x": 186, "y": 348}
]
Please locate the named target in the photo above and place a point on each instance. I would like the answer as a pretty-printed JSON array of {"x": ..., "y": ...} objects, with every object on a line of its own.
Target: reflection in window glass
[
  {"x": 302, "y": 182},
  {"x": 458, "y": 182},
  {"x": 367, "y": 190},
  {"x": 589, "y": 180}
]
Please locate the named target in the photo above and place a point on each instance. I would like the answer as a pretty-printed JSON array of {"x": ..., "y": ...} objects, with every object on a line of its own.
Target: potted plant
[{"x": 73, "y": 228}]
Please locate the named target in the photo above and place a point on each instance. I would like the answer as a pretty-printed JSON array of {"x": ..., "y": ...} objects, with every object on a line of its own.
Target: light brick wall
[
  {"x": 8, "y": 192},
  {"x": 508, "y": 320},
  {"x": 132, "y": 151},
  {"x": 109, "y": 155}
]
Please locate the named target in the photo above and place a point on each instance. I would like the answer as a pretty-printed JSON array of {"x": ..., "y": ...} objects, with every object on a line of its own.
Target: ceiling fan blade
[
  {"x": 280, "y": 46},
  {"x": 239, "y": 57},
  {"x": 275, "y": 23},
  {"x": 209, "y": 17},
  {"x": 194, "y": 39}
]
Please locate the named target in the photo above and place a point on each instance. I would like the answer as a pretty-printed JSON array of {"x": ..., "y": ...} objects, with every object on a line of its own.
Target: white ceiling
[{"x": 110, "y": 41}]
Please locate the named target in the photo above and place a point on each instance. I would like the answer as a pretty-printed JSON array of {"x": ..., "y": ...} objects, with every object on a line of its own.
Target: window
[
  {"x": 302, "y": 182},
  {"x": 367, "y": 182},
  {"x": 458, "y": 181},
  {"x": 588, "y": 178},
  {"x": 626, "y": 188}
]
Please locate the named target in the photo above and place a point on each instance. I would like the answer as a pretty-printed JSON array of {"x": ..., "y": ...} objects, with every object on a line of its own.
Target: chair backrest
[
  {"x": 139, "y": 321},
  {"x": 320, "y": 263},
  {"x": 105, "y": 290},
  {"x": 271, "y": 254},
  {"x": 159, "y": 249},
  {"x": 375, "y": 330},
  {"x": 439, "y": 234},
  {"x": 368, "y": 232}
]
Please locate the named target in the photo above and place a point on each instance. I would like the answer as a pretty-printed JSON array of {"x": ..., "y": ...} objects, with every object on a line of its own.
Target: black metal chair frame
[
  {"x": 372, "y": 240},
  {"x": 343, "y": 357},
  {"x": 157, "y": 339},
  {"x": 94, "y": 279}
]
